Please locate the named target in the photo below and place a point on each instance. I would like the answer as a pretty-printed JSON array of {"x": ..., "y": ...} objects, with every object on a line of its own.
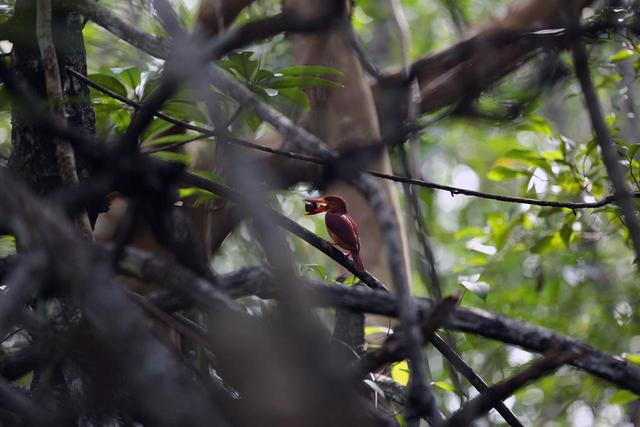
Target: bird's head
[{"x": 334, "y": 204}]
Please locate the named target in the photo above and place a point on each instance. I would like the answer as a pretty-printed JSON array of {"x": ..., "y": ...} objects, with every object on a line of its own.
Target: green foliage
[
  {"x": 400, "y": 372},
  {"x": 7, "y": 246}
]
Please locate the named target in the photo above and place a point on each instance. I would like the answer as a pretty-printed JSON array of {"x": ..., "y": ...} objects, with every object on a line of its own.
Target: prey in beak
[{"x": 315, "y": 206}]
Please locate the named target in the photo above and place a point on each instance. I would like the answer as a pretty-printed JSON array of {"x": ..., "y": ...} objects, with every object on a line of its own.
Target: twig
[
  {"x": 206, "y": 132},
  {"x": 487, "y": 399}
]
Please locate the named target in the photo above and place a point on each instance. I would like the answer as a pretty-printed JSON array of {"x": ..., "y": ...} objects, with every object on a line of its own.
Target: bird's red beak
[{"x": 315, "y": 206}]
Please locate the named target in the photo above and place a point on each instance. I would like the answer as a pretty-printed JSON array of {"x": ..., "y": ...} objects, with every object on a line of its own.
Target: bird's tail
[{"x": 358, "y": 261}]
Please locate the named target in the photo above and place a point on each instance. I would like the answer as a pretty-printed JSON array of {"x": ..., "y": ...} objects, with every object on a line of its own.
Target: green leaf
[
  {"x": 131, "y": 76},
  {"x": 199, "y": 196},
  {"x": 537, "y": 124},
  {"x": 633, "y": 358},
  {"x": 375, "y": 387},
  {"x": 370, "y": 330},
  {"x": 26, "y": 379},
  {"x": 567, "y": 230},
  {"x": 621, "y": 55},
  {"x": 622, "y": 397},
  {"x": 151, "y": 83},
  {"x": 400, "y": 372},
  {"x": 501, "y": 173},
  {"x": 310, "y": 69},
  {"x": 316, "y": 269},
  {"x": 241, "y": 64},
  {"x": 108, "y": 82},
  {"x": 478, "y": 288},
  {"x": 298, "y": 97},
  {"x": 251, "y": 119},
  {"x": 542, "y": 245},
  {"x": 351, "y": 281},
  {"x": 7, "y": 245},
  {"x": 444, "y": 386},
  {"x": 183, "y": 110}
]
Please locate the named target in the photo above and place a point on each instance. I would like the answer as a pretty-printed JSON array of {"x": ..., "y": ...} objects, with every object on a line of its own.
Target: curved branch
[
  {"x": 206, "y": 132},
  {"x": 622, "y": 193}
]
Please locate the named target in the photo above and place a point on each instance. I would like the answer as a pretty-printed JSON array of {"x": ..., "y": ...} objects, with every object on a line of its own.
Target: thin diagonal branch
[
  {"x": 622, "y": 193},
  {"x": 481, "y": 404},
  {"x": 472, "y": 376},
  {"x": 206, "y": 132}
]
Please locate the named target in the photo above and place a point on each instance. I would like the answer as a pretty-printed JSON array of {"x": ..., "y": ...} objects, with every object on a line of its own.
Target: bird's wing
[{"x": 344, "y": 231}]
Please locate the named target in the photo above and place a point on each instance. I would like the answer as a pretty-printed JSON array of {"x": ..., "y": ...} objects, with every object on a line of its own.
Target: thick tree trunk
[
  {"x": 33, "y": 152},
  {"x": 33, "y": 160}
]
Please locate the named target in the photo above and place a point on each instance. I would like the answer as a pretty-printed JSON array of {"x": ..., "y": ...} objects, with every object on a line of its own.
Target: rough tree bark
[{"x": 33, "y": 156}]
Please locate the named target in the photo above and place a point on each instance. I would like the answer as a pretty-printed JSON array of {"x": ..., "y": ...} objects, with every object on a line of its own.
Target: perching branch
[{"x": 290, "y": 225}]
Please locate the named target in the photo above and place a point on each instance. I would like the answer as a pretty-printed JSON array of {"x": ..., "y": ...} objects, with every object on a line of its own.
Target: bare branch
[{"x": 154, "y": 46}]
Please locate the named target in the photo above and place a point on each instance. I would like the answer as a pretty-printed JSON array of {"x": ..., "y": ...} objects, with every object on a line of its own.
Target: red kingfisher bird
[{"x": 341, "y": 226}]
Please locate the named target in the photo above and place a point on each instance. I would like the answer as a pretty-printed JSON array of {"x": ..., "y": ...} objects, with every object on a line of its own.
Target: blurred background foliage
[{"x": 570, "y": 271}]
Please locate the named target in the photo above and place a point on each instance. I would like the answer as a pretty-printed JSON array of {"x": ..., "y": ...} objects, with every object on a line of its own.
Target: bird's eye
[{"x": 310, "y": 206}]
